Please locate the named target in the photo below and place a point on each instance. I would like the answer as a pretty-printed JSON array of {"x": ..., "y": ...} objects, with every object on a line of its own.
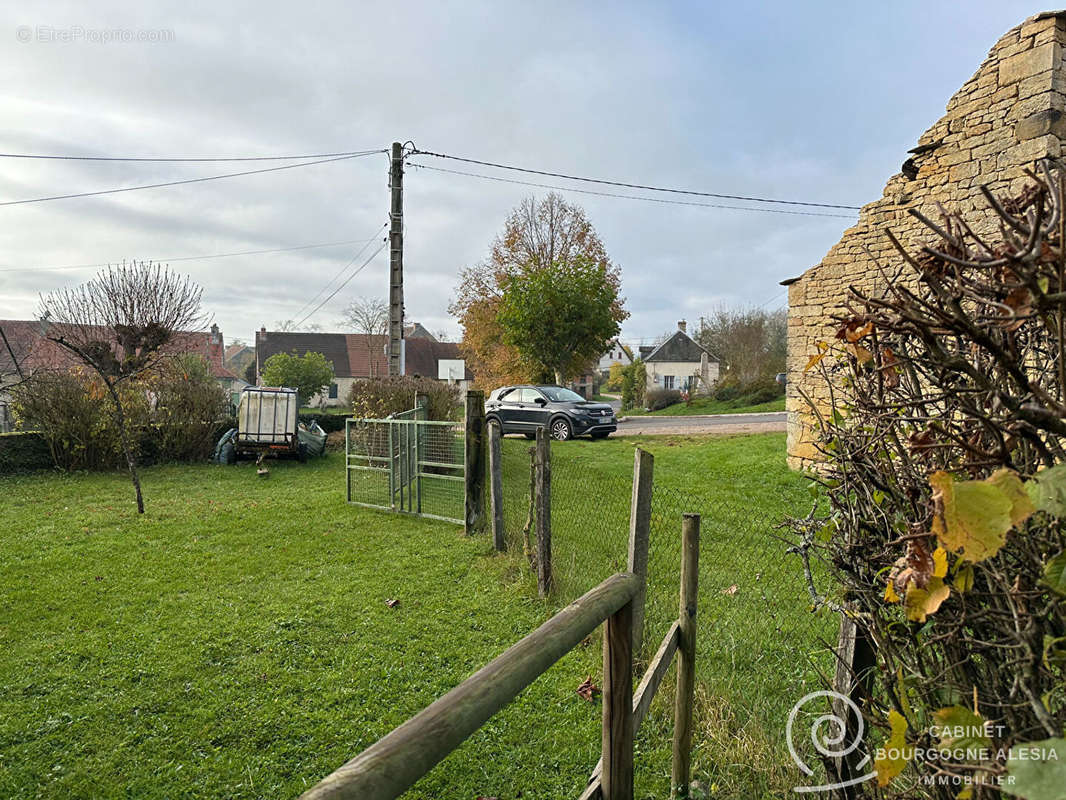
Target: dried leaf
[
  {"x": 732, "y": 590},
  {"x": 920, "y": 603},
  {"x": 588, "y": 690},
  {"x": 392, "y": 603},
  {"x": 814, "y": 360}
]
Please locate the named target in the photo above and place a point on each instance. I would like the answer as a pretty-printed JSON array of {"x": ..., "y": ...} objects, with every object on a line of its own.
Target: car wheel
[
  {"x": 561, "y": 430},
  {"x": 494, "y": 421}
]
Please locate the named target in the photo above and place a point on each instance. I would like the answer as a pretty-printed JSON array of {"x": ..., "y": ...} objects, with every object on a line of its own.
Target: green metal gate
[{"x": 407, "y": 464}]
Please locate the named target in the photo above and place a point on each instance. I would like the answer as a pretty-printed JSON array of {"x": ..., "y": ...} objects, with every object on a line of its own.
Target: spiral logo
[
  {"x": 24, "y": 33},
  {"x": 833, "y": 736}
]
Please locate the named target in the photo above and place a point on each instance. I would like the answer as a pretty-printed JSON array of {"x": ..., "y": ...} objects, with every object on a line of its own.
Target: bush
[
  {"x": 760, "y": 390},
  {"x": 173, "y": 414},
  {"x": 23, "y": 452},
  {"x": 376, "y": 398},
  {"x": 73, "y": 413},
  {"x": 634, "y": 384},
  {"x": 188, "y": 405},
  {"x": 661, "y": 398}
]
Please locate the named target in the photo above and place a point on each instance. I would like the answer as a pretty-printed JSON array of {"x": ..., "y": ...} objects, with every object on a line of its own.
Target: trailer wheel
[{"x": 301, "y": 453}]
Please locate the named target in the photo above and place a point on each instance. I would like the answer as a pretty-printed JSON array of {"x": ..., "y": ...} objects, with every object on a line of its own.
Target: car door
[
  {"x": 535, "y": 412},
  {"x": 510, "y": 404}
]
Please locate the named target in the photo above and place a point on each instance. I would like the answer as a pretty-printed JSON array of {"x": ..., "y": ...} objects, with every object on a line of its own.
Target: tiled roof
[
  {"x": 422, "y": 356},
  {"x": 679, "y": 347},
  {"x": 333, "y": 346}
]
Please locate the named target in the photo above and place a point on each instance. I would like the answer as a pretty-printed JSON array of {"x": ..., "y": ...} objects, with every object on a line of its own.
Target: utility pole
[{"x": 396, "y": 366}]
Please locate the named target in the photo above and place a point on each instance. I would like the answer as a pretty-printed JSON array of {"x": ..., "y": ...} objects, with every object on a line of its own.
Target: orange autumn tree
[{"x": 536, "y": 236}]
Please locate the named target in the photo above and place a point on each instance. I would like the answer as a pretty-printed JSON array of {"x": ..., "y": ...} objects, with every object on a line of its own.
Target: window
[
  {"x": 668, "y": 381},
  {"x": 529, "y": 396},
  {"x": 560, "y": 395},
  {"x": 333, "y": 391}
]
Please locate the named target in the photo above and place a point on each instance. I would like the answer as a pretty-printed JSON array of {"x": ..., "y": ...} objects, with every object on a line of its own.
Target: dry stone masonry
[{"x": 1011, "y": 113}]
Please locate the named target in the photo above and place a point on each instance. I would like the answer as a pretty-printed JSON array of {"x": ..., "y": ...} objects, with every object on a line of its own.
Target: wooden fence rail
[{"x": 391, "y": 765}]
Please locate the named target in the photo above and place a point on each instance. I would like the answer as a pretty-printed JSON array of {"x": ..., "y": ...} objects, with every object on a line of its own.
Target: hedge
[
  {"x": 26, "y": 451},
  {"x": 23, "y": 452}
]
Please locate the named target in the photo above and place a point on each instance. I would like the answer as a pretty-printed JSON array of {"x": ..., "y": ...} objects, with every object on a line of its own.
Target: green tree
[
  {"x": 308, "y": 374},
  {"x": 561, "y": 316},
  {"x": 539, "y": 235}
]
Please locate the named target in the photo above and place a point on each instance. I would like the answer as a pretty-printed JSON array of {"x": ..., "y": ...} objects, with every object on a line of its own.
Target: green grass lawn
[
  {"x": 235, "y": 641},
  {"x": 706, "y": 405},
  {"x": 760, "y": 648}
]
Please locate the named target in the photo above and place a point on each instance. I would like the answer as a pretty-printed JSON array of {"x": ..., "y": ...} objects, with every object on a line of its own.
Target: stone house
[
  {"x": 1011, "y": 113},
  {"x": 680, "y": 363}
]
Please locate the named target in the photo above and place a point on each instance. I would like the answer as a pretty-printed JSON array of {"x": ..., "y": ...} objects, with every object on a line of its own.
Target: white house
[
  {"x": 680, "y": 363},
  {"x": 616, "y": 353}
]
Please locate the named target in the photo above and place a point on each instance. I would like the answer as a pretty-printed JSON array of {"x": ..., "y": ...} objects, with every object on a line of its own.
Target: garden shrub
[
  {"x": 634, "y": 384},
  {"x": 661, "y": 398},
  {"x": 188, "y": 404},
  {"x": 376, "y": 398},
  {"x": 24, "y": 452},
  {"x": 943, "y": 492}
]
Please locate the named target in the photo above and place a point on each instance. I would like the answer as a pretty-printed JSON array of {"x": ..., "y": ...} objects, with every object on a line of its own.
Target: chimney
[
  {"x": 216, "y": 335},
  {"x": 682, "y": 325}
]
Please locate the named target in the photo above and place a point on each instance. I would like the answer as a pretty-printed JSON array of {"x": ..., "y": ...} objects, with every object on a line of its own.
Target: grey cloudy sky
[{"x": 811, "y": 101}]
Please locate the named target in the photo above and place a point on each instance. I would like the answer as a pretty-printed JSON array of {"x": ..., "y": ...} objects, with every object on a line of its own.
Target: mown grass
[
  {"x": 706, "y": 405},
  {"x": 760, "y": 648},
  {"x": 235, "y": 642}
]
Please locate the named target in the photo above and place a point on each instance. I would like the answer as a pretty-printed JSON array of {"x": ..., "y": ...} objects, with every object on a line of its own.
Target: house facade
[
  {"x": 617, "y": 353},
  {"x": 358, "y": 356},
  {"x": 680, "y": 363}
]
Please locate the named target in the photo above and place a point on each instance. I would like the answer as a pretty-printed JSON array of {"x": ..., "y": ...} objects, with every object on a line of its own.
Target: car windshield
[{"x": 557, "y": 394}]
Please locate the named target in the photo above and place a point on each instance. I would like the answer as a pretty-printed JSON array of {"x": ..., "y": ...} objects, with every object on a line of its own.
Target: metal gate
[{"x": 408, "y": 464}]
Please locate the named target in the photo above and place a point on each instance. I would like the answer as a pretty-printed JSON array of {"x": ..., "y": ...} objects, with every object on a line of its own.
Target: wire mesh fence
[
  {"x": 760, "y": 646},
  {"x": 406, "y": 464}
]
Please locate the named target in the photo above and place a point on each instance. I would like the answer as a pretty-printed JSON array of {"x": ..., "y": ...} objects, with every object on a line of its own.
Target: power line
[
  {"x": 343, "y": 269},
  {"x": 416, "y": 151},
  {"x": 194, "y": 258},
  {"x": 630, "y": 196},
  {"x": 172, "y": 159},
  {"x": 179, "y": 183},
  {"x": 346, "y": 282}
]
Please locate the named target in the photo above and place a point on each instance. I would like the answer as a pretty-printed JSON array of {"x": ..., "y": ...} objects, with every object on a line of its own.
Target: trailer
[{"x": 268, "y": 425}]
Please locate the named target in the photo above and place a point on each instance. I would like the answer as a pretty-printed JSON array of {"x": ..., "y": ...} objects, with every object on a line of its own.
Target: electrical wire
[
  {"x": 170, "y": 159},
  {"x": 416, "y": 151},
  {"x": 179, "y": 183},
  {"x": 194, "y": 258},
  {"x": 630, "y": 196},
  {"x": 346, "y": 281},
  {"x": 343, "y": 269}
]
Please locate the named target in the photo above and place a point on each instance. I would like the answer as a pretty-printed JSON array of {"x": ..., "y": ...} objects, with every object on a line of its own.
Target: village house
[
  {"x": 25, "y": 349},
  {"x": 617, "y": 353},
  {"x": 1011, "y": 113},
  {"x": 358, "y": 356},
  {"x": 680, "y": 363}
]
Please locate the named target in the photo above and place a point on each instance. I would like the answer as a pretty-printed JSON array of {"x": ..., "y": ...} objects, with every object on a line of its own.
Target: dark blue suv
[{"x": 523, "y": 409}]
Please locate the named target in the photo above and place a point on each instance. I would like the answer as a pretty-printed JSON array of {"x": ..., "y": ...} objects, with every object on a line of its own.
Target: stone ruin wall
[{"x": 1009, "y": 114}]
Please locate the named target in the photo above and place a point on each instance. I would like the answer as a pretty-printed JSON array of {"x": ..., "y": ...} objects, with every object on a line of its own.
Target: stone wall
[{"x": 1011, "y": 113}]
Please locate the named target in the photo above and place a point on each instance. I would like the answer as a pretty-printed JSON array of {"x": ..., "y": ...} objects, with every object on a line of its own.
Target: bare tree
[
  {"x": 750, "y": 342},
  {"x": 370, "y": 317},
  {"x": 119, "y": 324}
]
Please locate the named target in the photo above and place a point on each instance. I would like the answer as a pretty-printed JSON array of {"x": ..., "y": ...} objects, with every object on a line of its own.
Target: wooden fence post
[
  {"x": 639, "y": 533},
  {"x": 681, "y": 770},
  {"x": 496, "y": 485},
  {"x": 616, "y": 780},
  {"x": 474, "y": 462},
  {"x": 543, "y": 481}
]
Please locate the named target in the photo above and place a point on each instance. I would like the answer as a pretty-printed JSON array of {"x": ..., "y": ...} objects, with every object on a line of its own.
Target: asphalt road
[{"x": 716, "y": 423}]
